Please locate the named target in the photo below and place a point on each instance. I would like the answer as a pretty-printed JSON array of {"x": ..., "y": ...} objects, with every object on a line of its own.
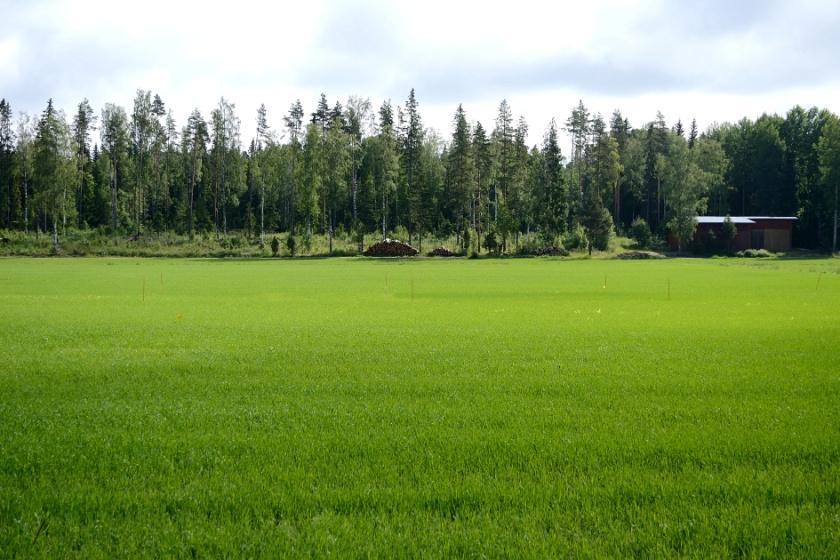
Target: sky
[{"x": 715, "y": 60}]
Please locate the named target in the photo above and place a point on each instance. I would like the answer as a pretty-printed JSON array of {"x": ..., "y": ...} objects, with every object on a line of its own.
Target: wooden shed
[{"x": 773, "y": 233}]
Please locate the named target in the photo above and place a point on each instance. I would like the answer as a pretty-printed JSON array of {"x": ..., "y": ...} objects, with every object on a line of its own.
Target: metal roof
[
  {"x": 739, "y": 219},
  {"x": 721, "y": 219}
]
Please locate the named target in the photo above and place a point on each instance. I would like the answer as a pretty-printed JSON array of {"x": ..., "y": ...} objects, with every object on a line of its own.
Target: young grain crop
[{"x": 475, "y": 407}]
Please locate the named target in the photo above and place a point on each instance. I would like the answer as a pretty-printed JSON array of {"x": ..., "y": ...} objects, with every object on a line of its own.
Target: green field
[{"x": 347, "y": 407}]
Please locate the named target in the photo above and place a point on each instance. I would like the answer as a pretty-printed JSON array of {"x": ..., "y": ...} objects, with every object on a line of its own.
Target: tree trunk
[
  {"x": 64, "y": 209},
  {"x": 25, "y": 204},
  {"x": 617, "y": 195},
  {"x": 224, "y": 194},
  {"x": 355, "y": 188},
  {"x": 114, "y": 200},
  {"x": 834, "y": 237},
  {"x": 192, "y": 195},
  {"x": 331, "y": 231}
]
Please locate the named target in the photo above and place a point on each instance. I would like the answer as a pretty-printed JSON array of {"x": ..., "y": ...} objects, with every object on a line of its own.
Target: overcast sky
[{"x": 715, "y": 60}]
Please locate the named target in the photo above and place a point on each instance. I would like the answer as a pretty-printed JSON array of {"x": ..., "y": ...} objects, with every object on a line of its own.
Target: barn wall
[{"x": 777, "y": 240}]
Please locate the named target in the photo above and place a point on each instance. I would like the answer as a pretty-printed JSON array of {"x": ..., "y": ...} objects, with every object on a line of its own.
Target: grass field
[{"x": 519, "y": 408}]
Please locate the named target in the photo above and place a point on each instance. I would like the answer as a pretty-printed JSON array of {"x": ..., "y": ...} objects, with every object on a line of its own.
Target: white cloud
[{"x": 717, "y": 60}]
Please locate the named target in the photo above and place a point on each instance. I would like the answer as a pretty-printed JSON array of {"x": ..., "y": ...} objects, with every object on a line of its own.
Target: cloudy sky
[{"x": 715, "y": 60}]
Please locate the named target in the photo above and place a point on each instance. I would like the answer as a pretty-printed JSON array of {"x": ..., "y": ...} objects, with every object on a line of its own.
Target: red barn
[{"x": 773, "y": 233}]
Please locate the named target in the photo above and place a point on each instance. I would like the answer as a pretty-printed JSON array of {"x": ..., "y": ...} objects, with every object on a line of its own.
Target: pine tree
[
  {"x": 503, "y": 138},
  {"x": 53, "y": 169},
  {"x": 620, "y": 131},
  {"x": 483, "y": 170},
  {"x": 321, "y": 116},
  {"x": 82, "y": 125},
  {"x": 692, "y": 134},
  {"x": 456, "y": 202},
  {"x": 194, "y": 147},
  {"x": 294, "y": 125},
  {"x": 411, "y": 146},
  {"x": 9, "y": 205},
  {"x": 578, "y": 126},
  {"x": 552, "y": 198}
]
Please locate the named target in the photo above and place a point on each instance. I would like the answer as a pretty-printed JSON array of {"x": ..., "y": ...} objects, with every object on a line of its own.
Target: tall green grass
[{"x": 428, "y": 408}]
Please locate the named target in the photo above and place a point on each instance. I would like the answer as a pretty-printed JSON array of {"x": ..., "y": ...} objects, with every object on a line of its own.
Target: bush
[
  {"x": 639, "y": 255},
  {"x": 552, "y": 251},
  {"x": 491, "y": 241},
  {"x": 754, "y": 253},
  {"x": 575, "y": 239},
  {"x": 275, "y": 246},
  {"x": 359, "y": 237},
  {"x": 467, "y": 239},
  {"x": 291, "y": 244},
  {"x": 728, "y": 233},
  {"x": 640, "y": 232},
  {"x": 441, "y": 252}
]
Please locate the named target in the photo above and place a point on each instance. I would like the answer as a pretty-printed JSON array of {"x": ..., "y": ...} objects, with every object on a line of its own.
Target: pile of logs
[{"x": 390, "y": 248}]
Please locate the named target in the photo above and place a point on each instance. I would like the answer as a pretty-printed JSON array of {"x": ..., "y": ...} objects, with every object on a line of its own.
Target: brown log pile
[{"x": 390, "y": 248}]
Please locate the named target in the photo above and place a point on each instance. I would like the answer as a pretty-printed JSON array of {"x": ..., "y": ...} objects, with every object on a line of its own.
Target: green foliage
[
  {"x": 728, "y": 233},
  {"x": 491, "y": 241},
  {"x": 467, "y": 239},
  {"x": 342, "y": 170},
  {"x": 275, "y": 246},
  {"x": 754, "y": 253},
  {"x": 575, "y": 240},
  {"x": 597, "y": 223},
  {"x": 640, "y": 232},
  {"x": 828, "y": 151}
]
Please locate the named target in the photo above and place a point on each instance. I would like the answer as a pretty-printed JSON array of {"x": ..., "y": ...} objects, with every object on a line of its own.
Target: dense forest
[{"x": 353, "y": 169}]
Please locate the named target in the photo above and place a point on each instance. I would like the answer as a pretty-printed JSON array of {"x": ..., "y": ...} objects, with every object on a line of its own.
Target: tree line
[{"x": 351, "y": 169}]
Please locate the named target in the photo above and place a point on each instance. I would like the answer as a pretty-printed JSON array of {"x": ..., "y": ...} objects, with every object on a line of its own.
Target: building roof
[
  {"x": 721, "y": 219},
  {"x": 739, "y": 219}
]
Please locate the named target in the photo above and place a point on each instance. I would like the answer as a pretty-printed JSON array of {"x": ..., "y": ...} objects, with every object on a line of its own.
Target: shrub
[
  {"x": 754, "y": 253},
  {"x": 275, "y": 246},
  {"x": 291, "y": 244},
  {"x": 639, "y": 255},
  {"x": 553, "y": 251},
  {"x": 491, "y": 241},
  {"x": 640, "y": 232},
  {"x": 575, "y": 239},
  {"x": 728, "y": 233},
  {"x": 441, "y": 252}
]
